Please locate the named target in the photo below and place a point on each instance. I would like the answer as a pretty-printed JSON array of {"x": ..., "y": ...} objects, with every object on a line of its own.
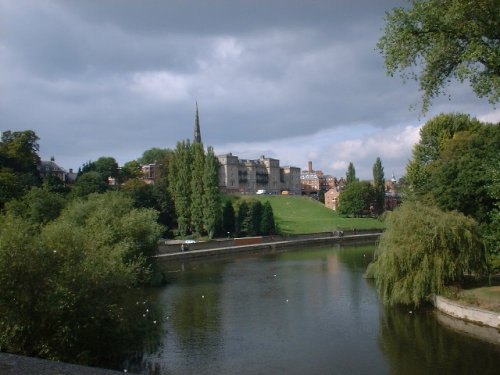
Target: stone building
[{"x": 259, "y": 175}]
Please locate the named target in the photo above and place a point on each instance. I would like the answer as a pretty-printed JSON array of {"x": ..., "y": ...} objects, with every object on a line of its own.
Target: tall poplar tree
[
  {"x": 197, "y": 188},
  {"x": 351, "y": 174},
  {"x": 211, "y": 196},
  {"x": 180, "y": 185},
  {"x": 379, "y": 185}
]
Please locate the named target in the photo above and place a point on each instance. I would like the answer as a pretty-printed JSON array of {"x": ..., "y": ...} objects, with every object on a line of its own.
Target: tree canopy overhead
[{"x": 435, "y": 41}]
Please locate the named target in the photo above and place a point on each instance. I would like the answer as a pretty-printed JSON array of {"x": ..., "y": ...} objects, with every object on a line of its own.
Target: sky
[{"x": 295, "y": 80}]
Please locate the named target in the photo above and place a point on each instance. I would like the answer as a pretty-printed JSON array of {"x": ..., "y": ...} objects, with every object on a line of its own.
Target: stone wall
[{"x": 467, "y": 312}]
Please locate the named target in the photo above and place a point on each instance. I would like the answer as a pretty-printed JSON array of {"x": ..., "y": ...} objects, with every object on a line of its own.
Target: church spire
[{"x": 197, "y": 133}]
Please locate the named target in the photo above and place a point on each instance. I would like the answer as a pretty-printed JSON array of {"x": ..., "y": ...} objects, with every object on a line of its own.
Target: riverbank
[
  {"x": 266, "y": 244},
  {"x": 469, "y": 313},
  {"x": 11, "y": 364}
]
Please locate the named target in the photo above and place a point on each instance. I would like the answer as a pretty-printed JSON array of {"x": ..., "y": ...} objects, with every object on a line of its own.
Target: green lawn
[
  {"x": 485, "y": 297},
  {"x": 297, "y": 214}
]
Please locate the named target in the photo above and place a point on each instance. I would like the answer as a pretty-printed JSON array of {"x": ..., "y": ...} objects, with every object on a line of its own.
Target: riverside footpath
[{"x": 178, "y": 250}]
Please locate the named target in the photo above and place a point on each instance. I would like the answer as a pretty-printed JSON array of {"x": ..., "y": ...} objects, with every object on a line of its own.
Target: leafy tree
[
  {"x": 38, "y": 206},
  {"x": 433, "y": 136},
  {"x": 449, "y": 39},
  {"x": 179, "y": 184},
  {"x": 241, "y": 216},
  {"x": 424, "y": 249},
  {"x": 211, "y": 194},
  {"x": 18, "y": 164},
  {"x": 153, "y": 155},
  {"x": 67, "y": 288},
  {"x": 378, "y": 185},
  {"x": 163, "y": 200},
  {"x": 228, "y": 218},
  {"x": 140, "y": 192},
  {"x": 88, "y": 183},
  {"x": 356, "y": 198},
  {"x": 267, "y": 224},
  {"x": 9, "y": 186},
  {"x": 19, "y": 151},
  {"x": 130, "y": 170},
  {"x": 106, "y": 166},
  {"x": 55, "y": 184},
  {"x": 350, "y": 174},
  {"x": 252, "y": 222},
  {"x": 461, "y": 178},
  {"x": 197, "y": 187}
]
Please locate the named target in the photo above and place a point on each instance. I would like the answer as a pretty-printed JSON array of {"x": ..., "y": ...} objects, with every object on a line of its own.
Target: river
[{"x": 303, "y": 311}]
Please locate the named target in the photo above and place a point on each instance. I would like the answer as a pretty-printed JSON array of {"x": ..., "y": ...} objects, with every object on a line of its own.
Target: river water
[{"x": 304, "y": 311}]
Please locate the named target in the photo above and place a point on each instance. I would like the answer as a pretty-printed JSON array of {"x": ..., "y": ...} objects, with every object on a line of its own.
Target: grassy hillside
[{"x": 296, "y": 214}]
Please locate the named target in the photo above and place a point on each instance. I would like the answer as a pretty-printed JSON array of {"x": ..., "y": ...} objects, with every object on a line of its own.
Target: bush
[{"x": 69, "y": 290}]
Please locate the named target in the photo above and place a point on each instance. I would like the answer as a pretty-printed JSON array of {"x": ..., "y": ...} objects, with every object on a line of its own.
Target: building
[
  {"x": 312, "y": 182},
  {"x": 250, "y": 176},
  {"x": 148, "y": 173},
  {"x": 50, "y": 168},
  {"x": 332, "y": 198}
]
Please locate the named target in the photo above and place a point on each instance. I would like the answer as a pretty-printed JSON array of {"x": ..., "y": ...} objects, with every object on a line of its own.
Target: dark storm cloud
[{"x": 116, "y": 77}]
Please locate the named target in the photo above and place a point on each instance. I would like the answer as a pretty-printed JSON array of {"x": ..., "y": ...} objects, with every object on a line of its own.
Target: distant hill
[{"x": 297, "y": 214}]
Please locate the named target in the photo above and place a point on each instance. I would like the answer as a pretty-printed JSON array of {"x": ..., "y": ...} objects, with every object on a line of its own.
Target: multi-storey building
[
  {"x": 312, "y": 182},
  {"x": 259, "y": 175}
]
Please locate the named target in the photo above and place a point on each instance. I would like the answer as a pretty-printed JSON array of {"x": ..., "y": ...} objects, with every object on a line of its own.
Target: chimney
[{"x": 310, "y": 166}]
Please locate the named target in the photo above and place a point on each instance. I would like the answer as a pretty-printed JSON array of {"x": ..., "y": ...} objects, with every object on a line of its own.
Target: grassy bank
[
  {"x": 297, "y": 214},
  {"x": 486, "y": 297}
]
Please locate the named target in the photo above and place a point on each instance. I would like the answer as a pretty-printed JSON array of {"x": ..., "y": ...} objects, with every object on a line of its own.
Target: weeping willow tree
[{"x": 422, "y": 250}]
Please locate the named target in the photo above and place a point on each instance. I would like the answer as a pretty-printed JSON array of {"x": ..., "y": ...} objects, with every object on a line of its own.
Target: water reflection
[
  {"x": 307, "y": 311},
  {"x": 415, "y": 343}
]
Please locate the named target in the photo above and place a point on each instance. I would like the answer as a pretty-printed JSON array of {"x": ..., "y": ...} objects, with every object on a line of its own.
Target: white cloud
[{"x": 493, "y": 116}]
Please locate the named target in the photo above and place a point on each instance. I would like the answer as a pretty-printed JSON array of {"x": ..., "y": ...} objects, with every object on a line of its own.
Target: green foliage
[
  {"x": 211, "y": 194},
  {"x": 241, "y": 216},
  {"x": 422, "y": 250},
  {"x": 19, "y": 151},
  {"x": 378, "y": 185},
  {"x": 153, "y": 155},
  {"x": 197, "y": 187},
  {"x": 88, "y": 183},
  {"x": 350, "y": 174},
  {"x": 460, "y": 179},
  {"x": 140, "y": 192},
  {"x": 228, "y": 218},
  {"x": 130, "y": 170},
  {"x": 267, "y": 224},
  {"x": 179, "y": 184},
  {"x": 452, "y": 165},
  {"x": 114, "y": 220},
  {"x": 356, "y": 198},
  {"x": 67, "y": 289},
  {"x": 18, "y": 164},
  {"x": 446, "y": 39},
  {"x": 38, "y": 206}
]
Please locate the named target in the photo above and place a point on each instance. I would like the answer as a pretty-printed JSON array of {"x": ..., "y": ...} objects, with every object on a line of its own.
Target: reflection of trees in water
[
  {"x": 415, "y": 343},
  {"x": 356, "y": 258},
  {"x": 142, "y": 329},
  {"x": 196, "y": 310}
]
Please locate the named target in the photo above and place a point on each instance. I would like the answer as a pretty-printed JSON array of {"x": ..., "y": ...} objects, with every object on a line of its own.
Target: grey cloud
[{"x": 116, "y": 77}]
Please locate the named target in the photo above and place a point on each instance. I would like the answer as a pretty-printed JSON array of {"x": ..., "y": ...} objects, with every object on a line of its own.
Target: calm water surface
[{"x": 306, "y": 311}]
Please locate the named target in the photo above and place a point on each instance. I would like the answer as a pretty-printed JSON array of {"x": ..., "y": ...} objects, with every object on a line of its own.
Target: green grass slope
[{"x": 297, "y": 214}]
